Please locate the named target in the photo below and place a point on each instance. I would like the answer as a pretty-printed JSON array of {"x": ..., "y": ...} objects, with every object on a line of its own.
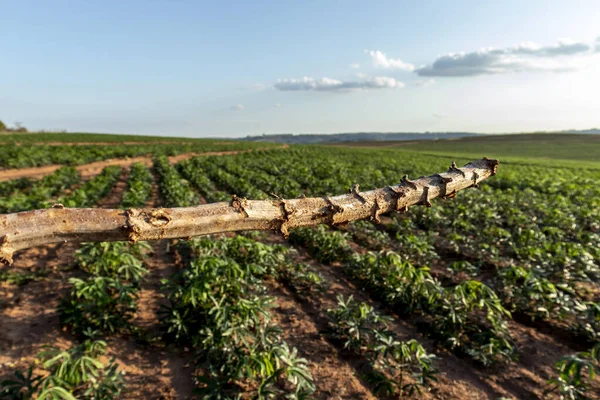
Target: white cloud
[
  {"x": 335, "y": 85},
  {"x": 355, "y": 66},
  {"x": 277, "y": 105},
  {"x": 439, "y": 116},
  {"x": 237, "y": 107},
  {"x": 425, "y": 82},
  {"x": 381, "y": 60},
  {"x": 564, "y": 47},
  {"x": 526, "y": 56},
  {"x": 597, "y": 45}
]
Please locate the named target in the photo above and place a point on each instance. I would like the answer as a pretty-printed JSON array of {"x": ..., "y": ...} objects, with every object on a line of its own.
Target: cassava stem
[{"x": 58, "y": 224}]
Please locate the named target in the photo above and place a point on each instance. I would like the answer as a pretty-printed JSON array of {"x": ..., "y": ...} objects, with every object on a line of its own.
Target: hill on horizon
[{"x": 316, "y": 138}]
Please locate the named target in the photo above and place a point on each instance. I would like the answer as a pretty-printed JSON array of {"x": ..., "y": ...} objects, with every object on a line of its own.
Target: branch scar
[
  {"x": 355, "y": 191},
  {"x": 137, "y": 221},
  {"x": 239, "y": 204},
  {"x": 408, "y": 182},
  {"x": 453, "y": 168},
  {"x": 332, "y": 210}
]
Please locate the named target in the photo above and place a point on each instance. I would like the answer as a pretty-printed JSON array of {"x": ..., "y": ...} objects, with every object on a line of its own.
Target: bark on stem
[{"x": 33, "y": 228}]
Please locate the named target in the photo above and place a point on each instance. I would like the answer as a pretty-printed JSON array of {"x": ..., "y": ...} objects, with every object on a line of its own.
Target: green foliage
[
  {"x": 225, "y": 172},
  {"x": 218, "y": 305},
  {"x": 416, "y": 248},
  {"x": 396, "y": 366},
  {"x": 175, "y": 191},
  {"x": 464, "y": 267},
  {"x": 471, "y": 318},
  {"x": 552, "y": 146},
  {"x": 526, "y": 291},
  {"x": 468, "y": 317},
  {"x": 22, "y": 278},
  {"x": 367, "y": 235},
  {"x": 77, "y": 373},
  {"x": 193, "y": 171},
  {"x": 303, "y": 278},
  {"x": 26, "y": 195},
  {"x": 588, "y": 319},
  {"x": 7, "y": 187},
  {"x": 575, "y": 373},
  {"x": 325, "y": 245},
  {"x": 93, "y": 190},
  {"x": 33, "y": 150},
  {"x": 261, "y": 259},
  {"x": 139, "y": 187},
  {"x": 120, "y": 260},
  {"x": 105, "y": 301},
  {"x": 98, "y": 304}
]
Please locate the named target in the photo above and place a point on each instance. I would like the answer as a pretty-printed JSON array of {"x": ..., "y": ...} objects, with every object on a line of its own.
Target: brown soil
[
  {"x": 456, "y": 379},
  {"x": 336, "y": 375},
  {"x": 96, "y": 143},
  {"x": 459, "y": 378},
  {"x": 91, "y": 169},
  {"x": 29, "y": 319}
]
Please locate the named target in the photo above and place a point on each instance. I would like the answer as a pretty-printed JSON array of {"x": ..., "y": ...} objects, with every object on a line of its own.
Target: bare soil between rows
[
  {"x": 94, "y": 168},
  {"x": 29, "y": 320}
]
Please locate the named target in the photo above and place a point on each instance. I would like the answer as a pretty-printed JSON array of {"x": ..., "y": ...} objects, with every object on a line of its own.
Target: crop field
[
  {"x": 572, "y": 149},
  {"x": 491, "y": 294}
]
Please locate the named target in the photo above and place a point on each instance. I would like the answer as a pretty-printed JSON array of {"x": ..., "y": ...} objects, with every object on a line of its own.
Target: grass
[
  {"x": 572, "y": 149},
  {"x": 51, "y": 137},
  {"x": 22, "y": 278}
]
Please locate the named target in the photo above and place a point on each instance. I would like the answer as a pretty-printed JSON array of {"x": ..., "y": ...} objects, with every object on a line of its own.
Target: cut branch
[{"x": 57, "y": 224}]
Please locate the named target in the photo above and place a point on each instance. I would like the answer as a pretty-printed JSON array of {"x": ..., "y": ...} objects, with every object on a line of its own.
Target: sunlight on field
[{"x": 477, "y": 281}]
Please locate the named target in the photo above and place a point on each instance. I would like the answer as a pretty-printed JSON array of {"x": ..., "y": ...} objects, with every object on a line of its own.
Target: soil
[
  {"x": 539, "y": 345},
  {"x": 92, "y": 169},
  {"x": 29, "y": 321},
  {"x": 97, "y": 143}
]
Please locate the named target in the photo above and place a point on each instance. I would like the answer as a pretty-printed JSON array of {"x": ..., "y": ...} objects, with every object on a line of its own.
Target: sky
[{"x": 237, "y": 68}]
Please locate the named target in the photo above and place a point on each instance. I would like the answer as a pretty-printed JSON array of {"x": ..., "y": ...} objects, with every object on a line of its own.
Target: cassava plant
[
  {"x": 76, "y": 373},
  {"x": 396, "y": 367},
  {"x": 106, "y": 299},
  {"x": 219, "y": 306},
  {"x": 574, "y": 375}
]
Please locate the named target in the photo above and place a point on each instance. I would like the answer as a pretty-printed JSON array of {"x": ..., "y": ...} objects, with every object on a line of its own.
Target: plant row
[
  {"x": 218, "y": 304},
  {"x": 174, "y": 191},
  {"x": 193, "y": 171},
  {"x": 100, "y": 302},
  {"x": 34, "y": 155},
  {"x": 26, "y": 195},
  {"x": 139, "y": 187},
  {"x": 539, "y": 223},
  {"x": 92, "y": 191},
  {"x": 468, "y": 317}
]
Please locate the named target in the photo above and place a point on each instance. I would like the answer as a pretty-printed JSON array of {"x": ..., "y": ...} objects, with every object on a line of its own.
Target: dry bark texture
[{"x": 58, "y": 224}]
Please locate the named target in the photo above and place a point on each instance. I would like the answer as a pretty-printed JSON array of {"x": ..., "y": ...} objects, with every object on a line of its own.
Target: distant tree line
[{"x": 18, "y": 127}]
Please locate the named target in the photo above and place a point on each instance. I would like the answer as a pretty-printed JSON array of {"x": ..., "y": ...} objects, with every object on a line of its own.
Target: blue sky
[{"x": 194, "y": 68}]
